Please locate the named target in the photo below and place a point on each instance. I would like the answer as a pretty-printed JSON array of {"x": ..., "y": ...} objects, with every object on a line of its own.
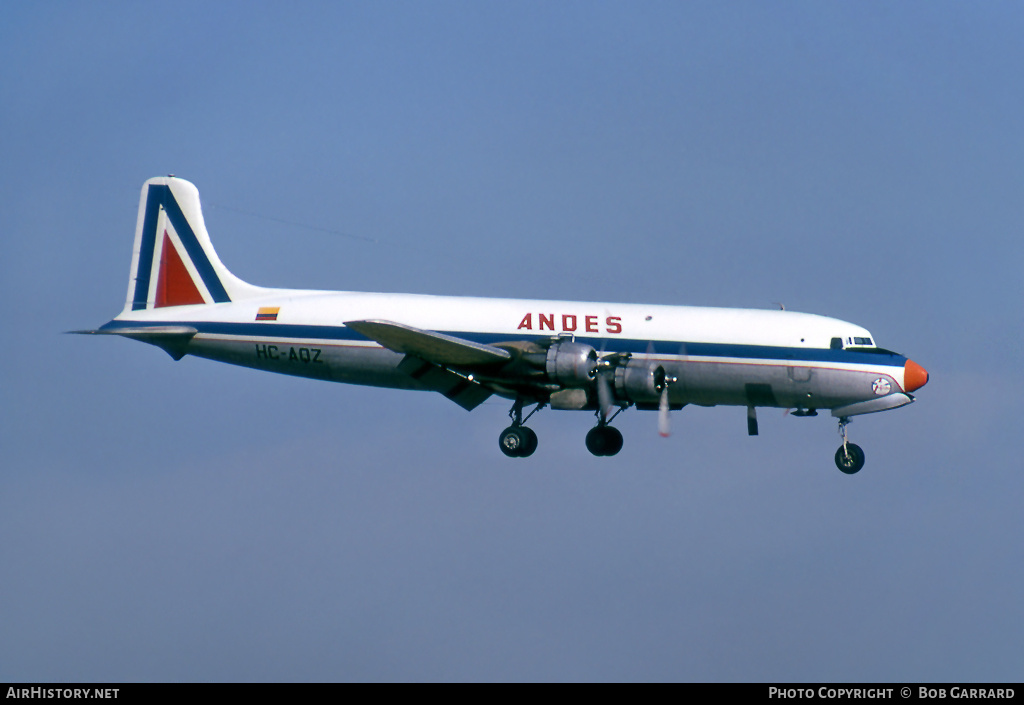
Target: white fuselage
[{"x": 718, "y": 355}]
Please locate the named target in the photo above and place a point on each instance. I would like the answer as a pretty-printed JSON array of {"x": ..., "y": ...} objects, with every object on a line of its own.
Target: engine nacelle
[
  {"x": 639, "y": 381},
  {"x": 571, "y": 364}
]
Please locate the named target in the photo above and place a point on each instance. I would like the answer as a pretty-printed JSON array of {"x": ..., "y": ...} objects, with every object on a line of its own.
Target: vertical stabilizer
[{"x": 173, "y": 261}]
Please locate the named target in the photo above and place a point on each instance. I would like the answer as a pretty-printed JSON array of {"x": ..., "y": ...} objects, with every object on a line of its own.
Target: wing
[
  {"x": 430, "y": 355},
  {"x": 438, "y": 348}
]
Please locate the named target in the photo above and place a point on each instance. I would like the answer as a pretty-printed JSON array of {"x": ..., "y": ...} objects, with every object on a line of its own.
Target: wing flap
[{"x": 459, "y": 389}]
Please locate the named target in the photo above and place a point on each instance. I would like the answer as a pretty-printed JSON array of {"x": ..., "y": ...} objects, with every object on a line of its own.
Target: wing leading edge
[{"x": 438, "y": 348}]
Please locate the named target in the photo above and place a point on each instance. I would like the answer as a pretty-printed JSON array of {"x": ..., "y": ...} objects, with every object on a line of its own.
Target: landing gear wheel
[
  {"x": 517, "y": 441},
  {"x": 531, "y": 442},
  {"x": 849, "y": 458},
  {"x": 614, "y": 440},
  {"x": 604, "y": 440},
  {"x": 512, "y": 440}
]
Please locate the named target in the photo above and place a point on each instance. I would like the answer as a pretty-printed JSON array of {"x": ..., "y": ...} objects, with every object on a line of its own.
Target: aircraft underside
[{"x": 654, "y": 382}]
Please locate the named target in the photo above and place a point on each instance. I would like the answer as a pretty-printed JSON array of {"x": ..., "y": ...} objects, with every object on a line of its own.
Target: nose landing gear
[{"x": 849, "y": 457}]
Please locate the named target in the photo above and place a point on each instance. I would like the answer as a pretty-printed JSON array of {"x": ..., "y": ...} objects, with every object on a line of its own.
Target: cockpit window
[
  {"x": 862, "y": 341},
  {"x": 836, "y": 344}
]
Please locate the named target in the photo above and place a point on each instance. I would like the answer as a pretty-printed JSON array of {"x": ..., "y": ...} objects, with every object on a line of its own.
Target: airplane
[{"x": 596, "y": 357}]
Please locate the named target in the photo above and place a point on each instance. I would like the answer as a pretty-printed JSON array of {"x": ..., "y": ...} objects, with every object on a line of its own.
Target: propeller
[
  {"x": 662, "y": 382},
  {"x": 664, "y": 429},
  {"x": 604, "y": 372},
  {"x": 604, "y": 393}
]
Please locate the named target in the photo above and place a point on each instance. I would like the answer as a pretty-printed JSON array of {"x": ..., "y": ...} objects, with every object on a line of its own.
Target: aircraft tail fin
[{"x": 173, "y": 261}]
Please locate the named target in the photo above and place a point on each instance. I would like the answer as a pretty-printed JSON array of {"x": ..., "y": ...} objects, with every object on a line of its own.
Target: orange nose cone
[{"x": 914, "y": 376}]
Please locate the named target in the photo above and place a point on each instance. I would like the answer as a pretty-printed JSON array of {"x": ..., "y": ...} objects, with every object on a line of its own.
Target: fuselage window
[{"x": 836, "y": 344}]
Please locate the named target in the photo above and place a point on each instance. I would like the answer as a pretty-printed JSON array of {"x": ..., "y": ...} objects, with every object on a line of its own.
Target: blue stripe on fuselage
[{"x": 341, "y": 334}]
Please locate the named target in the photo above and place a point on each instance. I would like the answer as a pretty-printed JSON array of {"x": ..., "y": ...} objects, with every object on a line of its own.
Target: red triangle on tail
[{"x": 174, "y": 285}]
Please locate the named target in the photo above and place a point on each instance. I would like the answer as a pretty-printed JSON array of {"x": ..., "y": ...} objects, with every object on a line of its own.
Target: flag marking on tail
[{"x": 268, "y": 313}]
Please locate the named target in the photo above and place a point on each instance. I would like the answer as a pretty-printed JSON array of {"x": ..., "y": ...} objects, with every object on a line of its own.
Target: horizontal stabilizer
[
  {"x": 433, "y": 347},
  {"x": 173, "y": 340}
]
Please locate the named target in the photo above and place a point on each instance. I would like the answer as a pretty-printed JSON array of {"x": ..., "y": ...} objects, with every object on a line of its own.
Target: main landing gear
[
  {"x": 604, "y": 440},
  {"x": 849, "y": 457},
  {"x": 518, "y": 441}
]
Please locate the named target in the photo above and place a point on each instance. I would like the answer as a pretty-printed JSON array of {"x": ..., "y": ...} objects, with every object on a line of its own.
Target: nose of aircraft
[{"x": 914, "y": 376}]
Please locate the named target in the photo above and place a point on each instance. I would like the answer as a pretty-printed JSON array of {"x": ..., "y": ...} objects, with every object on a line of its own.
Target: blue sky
[{"x": 194, "y": 521}]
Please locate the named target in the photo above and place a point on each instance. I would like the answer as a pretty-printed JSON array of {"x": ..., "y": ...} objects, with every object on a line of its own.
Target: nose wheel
[{"x": 849, "y": 457}]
